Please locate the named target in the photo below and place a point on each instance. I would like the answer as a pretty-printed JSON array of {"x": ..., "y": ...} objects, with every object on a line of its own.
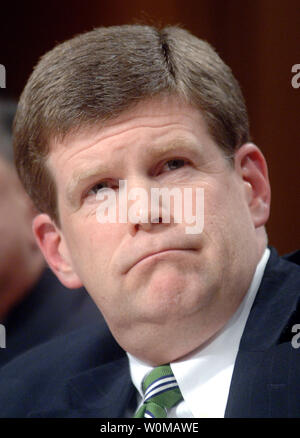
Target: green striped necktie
[{"x": 161, "y": 392}]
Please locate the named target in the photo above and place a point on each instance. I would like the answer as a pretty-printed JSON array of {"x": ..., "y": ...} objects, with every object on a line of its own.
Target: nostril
[{"x": 157, "y": 220}]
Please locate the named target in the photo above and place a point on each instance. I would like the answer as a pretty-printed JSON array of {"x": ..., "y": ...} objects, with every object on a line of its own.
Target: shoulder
[
  {"x": 293, "y": 257},
  {"x": 276, "y": 308},
  {"x": 283, "y": 271},
  {"x": 94, "y": 340},
  {"x": 265, "y": 381},
  {"x": 43, "y": 372}
]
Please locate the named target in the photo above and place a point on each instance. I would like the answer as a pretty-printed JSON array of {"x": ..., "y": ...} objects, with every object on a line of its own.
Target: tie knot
[
  {"x": 161, "y": 392},
  {"x": 159, "y": 379}
]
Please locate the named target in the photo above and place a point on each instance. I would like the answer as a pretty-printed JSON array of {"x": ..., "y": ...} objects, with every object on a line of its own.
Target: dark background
[{"x": 259, "y": 39}]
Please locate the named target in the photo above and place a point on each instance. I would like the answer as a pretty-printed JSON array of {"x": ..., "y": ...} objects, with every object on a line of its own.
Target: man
[
  {"x": 33, "y": 303},
  {"x": 140, "y": 108}
]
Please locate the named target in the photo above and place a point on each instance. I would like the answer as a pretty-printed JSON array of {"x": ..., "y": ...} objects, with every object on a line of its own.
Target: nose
[{"x": 145, "y": 210}]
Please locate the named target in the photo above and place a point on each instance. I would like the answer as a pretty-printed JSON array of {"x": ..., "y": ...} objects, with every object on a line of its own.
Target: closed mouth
[{"x": 158, "y": 253}]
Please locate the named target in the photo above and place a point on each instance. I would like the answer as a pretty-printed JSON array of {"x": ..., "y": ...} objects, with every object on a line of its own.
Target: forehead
[
  {"x": 153, "y": 126},
  {"x": 156, "y": 112}
]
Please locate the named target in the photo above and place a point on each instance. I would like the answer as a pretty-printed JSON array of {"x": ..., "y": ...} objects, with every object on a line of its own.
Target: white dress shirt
[{"x": 204, "y": 376}]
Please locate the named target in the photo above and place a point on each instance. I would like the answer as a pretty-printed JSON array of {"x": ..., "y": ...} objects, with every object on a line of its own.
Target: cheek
[
  {"x": 92, "y": 246},
  {"x": 226, "y": 214}
]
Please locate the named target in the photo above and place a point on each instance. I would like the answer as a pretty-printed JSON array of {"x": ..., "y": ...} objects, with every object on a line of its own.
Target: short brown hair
[{"x": 97, "y": 75}]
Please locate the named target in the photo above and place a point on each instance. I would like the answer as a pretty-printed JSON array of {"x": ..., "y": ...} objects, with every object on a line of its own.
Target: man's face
[
  {"x": 162, "y": 291},
  {"x": 15, "y": 224}
]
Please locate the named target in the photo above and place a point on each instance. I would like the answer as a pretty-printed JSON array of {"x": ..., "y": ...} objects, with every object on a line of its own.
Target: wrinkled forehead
[
  {"x": 151, "y": 107},
  {"x": 153, "y": 127}
]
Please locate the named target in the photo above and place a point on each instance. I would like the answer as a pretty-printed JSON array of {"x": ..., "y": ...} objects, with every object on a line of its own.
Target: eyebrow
[
  {"x": 80, "y": 175},
  {"x": 175, "y": 144}
]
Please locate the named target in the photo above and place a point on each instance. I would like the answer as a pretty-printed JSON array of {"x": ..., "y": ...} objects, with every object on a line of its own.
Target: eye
[
  {"x": 175, "y": 163},
  {"x": 100, "y": 186}
]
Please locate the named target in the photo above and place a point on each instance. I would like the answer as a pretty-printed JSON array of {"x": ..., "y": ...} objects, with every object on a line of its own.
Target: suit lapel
[
  {"x": 107, "y": 389},
  {"x": 102, "y": 392},
  {"x": 259, "y": 385}
]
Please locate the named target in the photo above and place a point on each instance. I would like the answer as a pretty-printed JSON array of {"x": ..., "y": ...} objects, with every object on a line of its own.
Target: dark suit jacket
[
  {"x": 86, "y": 374},
  {"x": 48, "y": 310}
]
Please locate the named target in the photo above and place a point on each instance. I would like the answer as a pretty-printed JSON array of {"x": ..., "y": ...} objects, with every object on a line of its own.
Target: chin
[{"x": 172, "y": 298}]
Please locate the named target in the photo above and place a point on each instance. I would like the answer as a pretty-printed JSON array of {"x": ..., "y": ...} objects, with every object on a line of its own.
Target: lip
[{"x": 156, "y": 253}]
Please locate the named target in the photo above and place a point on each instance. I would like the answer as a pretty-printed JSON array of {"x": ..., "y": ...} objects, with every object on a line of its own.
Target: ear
[
  {"x": 51, "y": 241},
  {"x": 251, "y": 166}
]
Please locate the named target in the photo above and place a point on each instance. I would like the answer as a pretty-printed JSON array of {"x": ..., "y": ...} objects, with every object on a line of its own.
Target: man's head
[
  {"x": 156, "y": 109},
  {"x": 19, "y": 252}
]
